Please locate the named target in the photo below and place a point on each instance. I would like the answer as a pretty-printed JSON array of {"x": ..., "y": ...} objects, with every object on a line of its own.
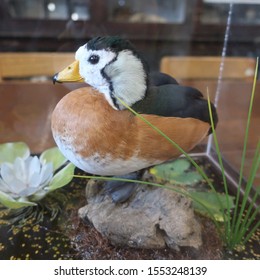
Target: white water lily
[{"x": 25, "y": 179}]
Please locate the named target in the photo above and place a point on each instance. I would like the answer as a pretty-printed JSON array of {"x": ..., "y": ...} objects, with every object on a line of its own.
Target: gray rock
[{"x": 152, "y": 218}]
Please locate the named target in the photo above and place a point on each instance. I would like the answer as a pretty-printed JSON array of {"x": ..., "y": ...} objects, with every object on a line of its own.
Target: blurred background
[{"x": 156, "y": 27}]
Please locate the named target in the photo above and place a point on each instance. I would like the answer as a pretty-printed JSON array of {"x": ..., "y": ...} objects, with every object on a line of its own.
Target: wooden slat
[
  {"x": 208, "y": 67},
  {"x": 20, "y": 65}
]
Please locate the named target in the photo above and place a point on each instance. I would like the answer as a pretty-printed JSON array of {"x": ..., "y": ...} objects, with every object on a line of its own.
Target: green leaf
[
  {"x": 188, "y": 178},
  {"x": 215, "y": 202},
  {"x": 180, "y": 165},
  {"x": 62, "y": 178},
  {"x": 9, "y": 202},
  {"x": 10, "y": 151},
  {"x": 54, "y": 156},
  {"x": 176, "y": 172}
]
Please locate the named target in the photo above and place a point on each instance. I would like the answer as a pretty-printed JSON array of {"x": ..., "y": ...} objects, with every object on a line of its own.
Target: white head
[{"x": 111, "y": 65}]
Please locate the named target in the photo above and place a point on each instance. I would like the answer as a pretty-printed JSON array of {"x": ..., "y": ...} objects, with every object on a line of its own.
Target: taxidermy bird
[{"x": 98, "y": 134}]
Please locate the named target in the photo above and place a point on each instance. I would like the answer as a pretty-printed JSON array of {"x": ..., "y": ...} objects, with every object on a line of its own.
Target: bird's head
[{"x": 113, "y": 67}]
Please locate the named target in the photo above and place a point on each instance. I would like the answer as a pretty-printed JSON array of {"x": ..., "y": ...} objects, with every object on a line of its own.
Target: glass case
[{"x": 209, "y": 45}]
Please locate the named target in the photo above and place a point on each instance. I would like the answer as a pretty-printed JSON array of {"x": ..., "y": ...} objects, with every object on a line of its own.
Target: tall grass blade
[
  {"x": 247, "y": 231},
  {"x": 249, "y": 218},
  {"x": 249, "y": 185},
  {"x": 253, "y": 230},
  {"x": 227, "y": 221},
  {"x": 241, "y": 172}
]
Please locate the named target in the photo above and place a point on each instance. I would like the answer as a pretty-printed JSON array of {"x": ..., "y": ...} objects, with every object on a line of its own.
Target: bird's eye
[{"x": 93, "y": 59}]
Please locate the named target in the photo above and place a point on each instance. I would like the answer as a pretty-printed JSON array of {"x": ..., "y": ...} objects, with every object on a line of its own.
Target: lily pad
[
  {"x": 54, "y": 156},
  {"x": 176, "y": 172},
  {"x": 62, "y": 178},
  {"x": 9, "y": 202},
  {"x": 216, "y": 203},
  {"x": 10, "y": 151}
]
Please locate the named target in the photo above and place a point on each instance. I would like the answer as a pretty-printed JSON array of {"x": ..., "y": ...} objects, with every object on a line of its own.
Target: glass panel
[{"x": 153, "y": 11}]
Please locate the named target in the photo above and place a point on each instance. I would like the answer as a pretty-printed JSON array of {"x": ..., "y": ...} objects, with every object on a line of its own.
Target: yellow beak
[{"x": 69, "y": 74}]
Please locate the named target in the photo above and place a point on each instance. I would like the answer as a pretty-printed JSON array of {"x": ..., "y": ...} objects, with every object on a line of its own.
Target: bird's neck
[{"x": 127, "y": 80}]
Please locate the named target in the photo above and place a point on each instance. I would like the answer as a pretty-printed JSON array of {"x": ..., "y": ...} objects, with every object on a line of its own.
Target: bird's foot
[{"x": 121, "y": 191}]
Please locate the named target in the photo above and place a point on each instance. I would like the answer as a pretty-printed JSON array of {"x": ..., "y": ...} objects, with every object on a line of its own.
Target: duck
[{"x": 94, "y": 128}]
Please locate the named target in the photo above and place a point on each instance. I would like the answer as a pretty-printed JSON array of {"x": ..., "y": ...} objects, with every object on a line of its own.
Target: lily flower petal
[
  {"x": 28, "y": 192},
  {"x": 6, "y": 172},
  {"x": 3, "y": 186},
  {"x": 19, "y": 169},
  {"x": 46, "y": 173},
  {"x": 33, "y": 165},
  {"x": 35, "y": 181}
]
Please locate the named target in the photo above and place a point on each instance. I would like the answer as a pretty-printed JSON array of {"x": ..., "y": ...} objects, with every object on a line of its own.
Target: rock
[{"x": 152, "y": 218}]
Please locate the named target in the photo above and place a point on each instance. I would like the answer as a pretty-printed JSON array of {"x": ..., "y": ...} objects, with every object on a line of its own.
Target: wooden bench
[
  {"x": 197, "y": 67},
  {"x": 32, "y": 64}
]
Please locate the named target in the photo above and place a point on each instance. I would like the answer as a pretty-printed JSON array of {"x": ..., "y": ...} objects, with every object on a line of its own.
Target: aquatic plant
[
  {"x": 242, "y": 223},
  {"x": 26, "y": 179},
  {"x": 176, "y": 172}
]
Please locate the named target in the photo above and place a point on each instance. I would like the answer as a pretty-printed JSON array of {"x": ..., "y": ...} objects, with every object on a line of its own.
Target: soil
[{"x": 42, "y": 236}]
